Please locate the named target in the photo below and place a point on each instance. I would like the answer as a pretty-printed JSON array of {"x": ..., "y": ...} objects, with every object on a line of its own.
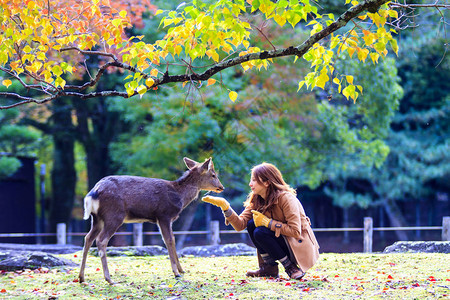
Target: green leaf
[{"x": 57, "y": 70}]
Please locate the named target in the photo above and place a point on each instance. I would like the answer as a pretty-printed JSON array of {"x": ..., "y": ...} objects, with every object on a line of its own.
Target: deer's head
[{"x": 204, "y": 174}]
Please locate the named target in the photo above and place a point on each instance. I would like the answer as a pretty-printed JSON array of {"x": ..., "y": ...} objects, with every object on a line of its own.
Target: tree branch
[{"x": 73, "y": 90}]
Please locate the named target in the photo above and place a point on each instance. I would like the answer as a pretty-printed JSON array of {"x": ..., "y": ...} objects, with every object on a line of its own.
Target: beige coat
[{"x": 289, "y": 220}]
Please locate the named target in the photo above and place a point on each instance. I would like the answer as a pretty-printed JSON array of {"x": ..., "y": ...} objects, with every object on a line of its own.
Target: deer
[{"x": 119, "y": 199}]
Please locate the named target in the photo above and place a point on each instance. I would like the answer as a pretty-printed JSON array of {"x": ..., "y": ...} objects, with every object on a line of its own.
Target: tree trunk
[
  {"x": 97, "y": 138},
  {"x": 186, "y": 219},
  {"x": 63, "y": 172},
  {"x": 396, "y": 218}
]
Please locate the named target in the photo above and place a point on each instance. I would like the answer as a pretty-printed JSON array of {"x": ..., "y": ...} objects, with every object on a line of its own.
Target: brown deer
[{"x": 115, "y": 200}]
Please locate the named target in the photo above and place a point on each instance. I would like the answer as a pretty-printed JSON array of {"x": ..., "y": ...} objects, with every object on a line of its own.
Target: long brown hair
[{"x": 270, "y": 174}]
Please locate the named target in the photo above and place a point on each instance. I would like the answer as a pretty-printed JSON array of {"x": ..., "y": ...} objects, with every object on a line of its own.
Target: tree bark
[
  {"x": 396, "y": 218},
  {"x": 96, "y": 140},
  {"x": 63, "y": 172},
  {"x": 186, "y": 219}
]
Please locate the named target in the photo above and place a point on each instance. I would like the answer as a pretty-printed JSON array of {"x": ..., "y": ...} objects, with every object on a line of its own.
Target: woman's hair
[{"x": 267, "y": 172}]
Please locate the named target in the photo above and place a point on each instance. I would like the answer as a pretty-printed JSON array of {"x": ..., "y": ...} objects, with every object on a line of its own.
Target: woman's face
[{"x": 258, "y": 188}]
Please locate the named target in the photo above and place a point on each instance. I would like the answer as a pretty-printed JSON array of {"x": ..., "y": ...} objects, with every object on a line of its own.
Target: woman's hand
[
  {"x": 217, "y": 201},
  {"x": 260, "y": 219}
]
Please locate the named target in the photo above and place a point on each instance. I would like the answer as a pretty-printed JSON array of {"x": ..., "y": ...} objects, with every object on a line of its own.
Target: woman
[{"x": 276, "y": 223}]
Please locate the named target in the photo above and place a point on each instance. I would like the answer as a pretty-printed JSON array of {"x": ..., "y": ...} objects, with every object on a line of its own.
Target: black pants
[{"x": 265, "y": 241}]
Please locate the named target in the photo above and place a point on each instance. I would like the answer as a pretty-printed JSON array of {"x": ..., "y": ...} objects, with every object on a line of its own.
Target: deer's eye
[{"x": 213, "y": 175}]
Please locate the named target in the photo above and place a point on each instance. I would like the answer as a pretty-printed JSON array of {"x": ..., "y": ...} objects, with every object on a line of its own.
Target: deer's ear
[
  {"x": 210, "y": 165},
  {"x": 206, "y": 165},
  {"x": 189, "y": 162}
]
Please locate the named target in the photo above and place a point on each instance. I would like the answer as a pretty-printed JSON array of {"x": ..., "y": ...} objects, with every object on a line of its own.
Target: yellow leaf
[
  {"x": 154, "y": 72},
  {"x": 233, "y": 95},
  {"x": 394, "y": 45},
  {"x": 336, "y": 80},
  {"x": 31, "y": 5},
  {"x": 281, "y": 20},
  {"x": 300, "y": 84},
  {"x": 149, "y": 82},
  {"x": 7, "y": 83},
  {"x": 211, "y": 81},
  {"x": 27, "y": 49},
  {"x": 117, "y": 22},
  {"x": 349, "y": 79},
  {"x": 362, "y": 54},
  {"x": 321, "y": 80},
  {"x": 142, "y": 89},
  {"x": 123, "y": 14},
  {"x": 351, "y": 51},
  {"x": 374, "y": 56},
  {"x": 159, "y": 11},
  {"x": 178, "y": 49},
  {"x": 60, "y": 82},
  {"x": 393, "y": 13}
]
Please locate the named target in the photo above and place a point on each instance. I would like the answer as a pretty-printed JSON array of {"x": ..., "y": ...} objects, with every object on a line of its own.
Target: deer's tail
[{"x": 90, "y": 204}]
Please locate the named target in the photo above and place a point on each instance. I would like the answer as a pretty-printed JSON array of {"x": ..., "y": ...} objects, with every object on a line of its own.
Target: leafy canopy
[{"x": 45, "y": 44}]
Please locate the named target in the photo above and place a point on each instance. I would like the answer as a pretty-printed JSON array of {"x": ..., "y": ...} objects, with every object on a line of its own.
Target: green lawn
[{"x": 335, "y": 276}]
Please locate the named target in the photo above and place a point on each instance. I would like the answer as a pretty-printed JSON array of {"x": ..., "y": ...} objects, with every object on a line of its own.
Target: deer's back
[{"x": 141, "y": 198}]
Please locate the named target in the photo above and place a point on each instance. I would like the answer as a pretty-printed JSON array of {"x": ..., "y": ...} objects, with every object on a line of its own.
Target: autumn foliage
[{"x": 43, "y": 44}]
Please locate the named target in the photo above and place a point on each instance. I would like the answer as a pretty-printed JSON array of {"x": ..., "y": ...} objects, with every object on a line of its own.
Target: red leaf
[
  {"x": 390, "y": 277},
  {"x": 306, "y": 289},
  {"x": 287, "y": 284},
  {"x": 3, "y": 291},
  {"x": 75, "y": 255},
  {"x": 98, "y": 269}
]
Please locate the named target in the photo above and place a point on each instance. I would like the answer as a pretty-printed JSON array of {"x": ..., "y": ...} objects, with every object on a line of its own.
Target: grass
[{"x": 335, "y": 276}]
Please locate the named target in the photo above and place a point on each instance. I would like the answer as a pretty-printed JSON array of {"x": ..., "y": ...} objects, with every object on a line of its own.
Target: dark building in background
[{"x": 17, "y": 203}]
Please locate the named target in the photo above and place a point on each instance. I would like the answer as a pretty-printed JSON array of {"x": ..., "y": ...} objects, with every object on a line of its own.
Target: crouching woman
[{"x": 276, "y": 223}]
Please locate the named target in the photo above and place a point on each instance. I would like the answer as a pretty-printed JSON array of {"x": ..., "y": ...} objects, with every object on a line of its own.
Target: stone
[
  {"x": 48, "y": 248},
  {"x": 18, "y": 260},
  {"x": 238, "y": 249},
  {"x": 132, "y": 251},
  {"x": 418, "y": 247}
]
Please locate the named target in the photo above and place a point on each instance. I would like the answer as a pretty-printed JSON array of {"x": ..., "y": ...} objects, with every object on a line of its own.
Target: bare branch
[{"x": 399, "y": 5}]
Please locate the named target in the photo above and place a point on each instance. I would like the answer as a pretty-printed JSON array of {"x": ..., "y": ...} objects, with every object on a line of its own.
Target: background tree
[{"x": 15, "y": 140}]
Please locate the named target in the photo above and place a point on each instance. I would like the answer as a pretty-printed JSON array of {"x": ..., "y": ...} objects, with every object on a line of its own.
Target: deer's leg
[
  {"x": 166, "y": 230},
  {"x": 103, "y": 238},
  {"x": 96, "y": 227}
]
